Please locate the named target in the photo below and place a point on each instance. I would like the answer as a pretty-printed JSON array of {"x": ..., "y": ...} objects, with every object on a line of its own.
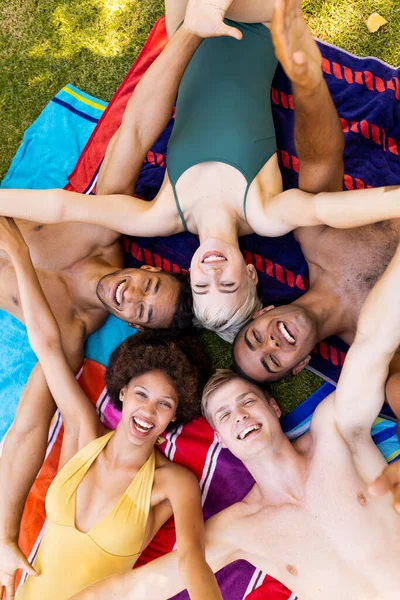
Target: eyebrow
[
  {"x": 149, "y": 314},
  {"x": 156, "y": 287}
]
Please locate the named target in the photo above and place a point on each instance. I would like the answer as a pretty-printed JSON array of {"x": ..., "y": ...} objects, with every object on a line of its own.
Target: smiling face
[
  {"x": 277, "y": 341},
  {"x": 220, "y": 276},
  {"x": 246, "y": 422},
  {"x": 149, "y": 403},
  {"x": 144, "y": 297}
]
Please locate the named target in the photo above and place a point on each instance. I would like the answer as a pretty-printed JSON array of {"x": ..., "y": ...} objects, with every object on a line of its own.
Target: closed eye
[
  {"x": 147, "y": 288},
  {"x": 257, "y": 337},
  {"x": 201, "y": 285},
  {"x": 142, "y": 394},
  {"x": 141, "y": 311},
  {"x": 249, "y": 402},
  {"x": 227, "y": 285},
  {"x": 274, "y": 361},
  {"x": 224, "y": 417},
  {"x": 166, "y": 404}
]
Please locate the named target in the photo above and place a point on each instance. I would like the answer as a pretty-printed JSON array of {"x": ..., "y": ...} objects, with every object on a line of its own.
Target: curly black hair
[
  {"x": 183, "y": 317},
  {"x": 180, "y": 356}
]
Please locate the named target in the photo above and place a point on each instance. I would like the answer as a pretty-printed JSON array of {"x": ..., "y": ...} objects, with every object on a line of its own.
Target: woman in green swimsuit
[{"x": 223, "y": 179}]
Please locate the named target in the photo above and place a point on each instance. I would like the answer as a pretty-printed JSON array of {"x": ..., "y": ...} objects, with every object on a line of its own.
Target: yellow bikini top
[{"x": 69, "y": 560}]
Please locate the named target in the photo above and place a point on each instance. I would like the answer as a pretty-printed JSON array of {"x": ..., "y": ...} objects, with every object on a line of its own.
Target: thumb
[
  {"x": 380, "y": 486},
  {"x": 230, "y": 32},
  {"x": 25, "y": 566}
]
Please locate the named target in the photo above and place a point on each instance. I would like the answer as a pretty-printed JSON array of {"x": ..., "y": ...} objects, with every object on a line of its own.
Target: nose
[
  {"x": 132, "y": 294},
  {"x": 241, "y": 415},
  {"x": 272, "y": 342}
]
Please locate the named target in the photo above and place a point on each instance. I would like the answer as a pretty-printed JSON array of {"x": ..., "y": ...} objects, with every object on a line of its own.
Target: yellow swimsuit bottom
[{"x": 69, "y": 560}]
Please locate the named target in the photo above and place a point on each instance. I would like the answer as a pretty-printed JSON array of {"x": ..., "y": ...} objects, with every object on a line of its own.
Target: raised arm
[
  {"x": 147, "y": 113},
  {"x": 318, "y": 133},
  {"x": 79, "y": 415},
  {"x": 361, "y": 389}
]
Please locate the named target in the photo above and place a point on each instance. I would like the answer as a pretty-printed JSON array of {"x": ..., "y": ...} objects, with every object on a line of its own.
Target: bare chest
[
  {"x": 349, "y": 262},
  {"x": 332, "y": 546},
  {"x": 98, "y": 493}
]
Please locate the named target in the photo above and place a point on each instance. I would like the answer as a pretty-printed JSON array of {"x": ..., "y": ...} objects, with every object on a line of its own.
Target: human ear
[
  {"x": 219, "y": 438},
  {"x": 252, "y": 273},
  {"x": 303, "y": 363},
  {"x": 150, "y": 268},
  {"x": 274, "y": 405},
  {"x": 122, "y": 393},
  {"x": 262, "y": 311}
]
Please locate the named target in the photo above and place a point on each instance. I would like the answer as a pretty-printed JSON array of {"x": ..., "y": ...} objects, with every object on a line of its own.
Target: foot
[
  {"x": 295, "y": 47},
  {"x": 206, "y": 19}
]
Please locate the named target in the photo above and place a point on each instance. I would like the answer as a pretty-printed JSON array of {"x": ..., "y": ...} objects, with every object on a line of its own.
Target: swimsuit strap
[
  {"x": 245, "y": 200},
  {"x": 185, "y": 227}
]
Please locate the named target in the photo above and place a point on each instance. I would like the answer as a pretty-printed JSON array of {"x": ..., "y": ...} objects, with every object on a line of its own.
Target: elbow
[{"x": 190, "y": 556}]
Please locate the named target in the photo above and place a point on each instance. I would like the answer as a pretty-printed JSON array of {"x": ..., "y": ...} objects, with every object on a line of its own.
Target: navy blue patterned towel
[{"x": 366, "y": 92}]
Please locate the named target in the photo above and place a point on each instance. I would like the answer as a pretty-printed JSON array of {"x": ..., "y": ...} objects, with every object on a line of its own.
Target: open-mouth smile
[
  {"x": 288, "y": 335},
  {"x": 249, "y": 431}
]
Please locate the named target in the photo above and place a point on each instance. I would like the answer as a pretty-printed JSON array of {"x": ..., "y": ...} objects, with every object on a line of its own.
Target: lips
[
  {"x": 213, "y": 257},
  {"x": 141, "y": 426},
  {"x": 117, "y": 292},
  {"x": 249, "y": 431},
  {"x": 286, "y": 333}
]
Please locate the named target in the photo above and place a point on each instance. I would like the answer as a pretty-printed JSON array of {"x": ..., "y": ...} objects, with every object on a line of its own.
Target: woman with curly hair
[{"x": 113, "y": 490}]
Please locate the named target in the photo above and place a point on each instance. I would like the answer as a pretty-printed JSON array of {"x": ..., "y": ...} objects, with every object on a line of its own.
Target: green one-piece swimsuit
[{"x": 223, "y": 112}]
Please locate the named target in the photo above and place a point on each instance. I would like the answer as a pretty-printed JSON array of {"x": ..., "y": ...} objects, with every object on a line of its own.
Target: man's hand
[
  {"x": 206, "y": 19},
  {"x": 389, "y": 481},
  {"x": 11, "y": 559},
  {"x": 295, "y": 47},
  {"x": 11, "y": 239}
]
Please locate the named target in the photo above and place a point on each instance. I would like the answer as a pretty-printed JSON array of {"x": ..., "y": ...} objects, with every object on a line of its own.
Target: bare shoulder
[
  {"x": 171, "y": 474},
  {"x": 324, "y": 417}
]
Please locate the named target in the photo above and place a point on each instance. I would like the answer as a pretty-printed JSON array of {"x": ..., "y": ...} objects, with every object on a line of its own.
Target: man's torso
[
  {"x": 62, "y": 254},
  {"x": 339, "y": 542},
  {"x": 348, "y": 262}
]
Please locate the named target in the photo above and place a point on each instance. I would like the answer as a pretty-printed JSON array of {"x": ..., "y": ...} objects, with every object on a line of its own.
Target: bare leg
[
  {"x": 318, "y": 132},
  {"x": 245, "y": 11}
]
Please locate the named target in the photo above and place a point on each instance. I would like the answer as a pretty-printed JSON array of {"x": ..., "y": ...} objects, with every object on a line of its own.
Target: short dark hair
[
  {"x": 183, "y": 317},
  {"x": 180, "y": 356}
]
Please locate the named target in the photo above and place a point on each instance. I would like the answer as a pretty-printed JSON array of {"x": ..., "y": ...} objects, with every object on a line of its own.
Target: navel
[
  {"x": 292, "y": 570},
  {"x": 361, "y": 499},
  {"x": 15, "y": 300},
  {"x": 38, "y": 227}
]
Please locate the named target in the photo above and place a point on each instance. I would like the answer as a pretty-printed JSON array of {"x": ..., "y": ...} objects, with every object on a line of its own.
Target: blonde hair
[
  {"x": 220, "y": 378},
  {"x": 225, "y": 321}
]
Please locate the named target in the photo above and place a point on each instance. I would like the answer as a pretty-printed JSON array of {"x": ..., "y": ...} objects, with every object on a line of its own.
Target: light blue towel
[{"x": 48, "y": 153}]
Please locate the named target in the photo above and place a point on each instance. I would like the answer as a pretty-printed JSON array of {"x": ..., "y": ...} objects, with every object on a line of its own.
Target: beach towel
[
  {"x": 223, "y": 481},
  {"x": 222, "y": 478},
  {"x": 366, "y": 92},
  {"x": 49, "y": 151}
]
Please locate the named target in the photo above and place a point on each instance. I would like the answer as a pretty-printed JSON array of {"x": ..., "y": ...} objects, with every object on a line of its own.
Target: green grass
[{"x": 45, "y": 44}]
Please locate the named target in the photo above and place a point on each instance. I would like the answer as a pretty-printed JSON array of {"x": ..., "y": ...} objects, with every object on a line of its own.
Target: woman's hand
[
  {"x": 11, "y": 559},
  {"x": 11, "y": 239},
  {"x": 389, "y": 481},
  {"x": 206, "y": 19}
]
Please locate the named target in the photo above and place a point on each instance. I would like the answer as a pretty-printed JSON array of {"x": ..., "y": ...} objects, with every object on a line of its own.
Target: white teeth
[
  {"x": 214, "y": 259},
  {"x": 289, "y": 338},
  {"x": 118, "y": 293},
  {"x": 248, "y": 430},
  {"x": 141, "y": 425}
]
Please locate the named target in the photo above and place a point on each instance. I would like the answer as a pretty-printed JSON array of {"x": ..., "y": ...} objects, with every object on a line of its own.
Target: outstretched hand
[
  {"x": 295, "y": 47},
  {"x": 389, "y": 481},
  {"x": 11, "y": 559},
  {"x": 10, "y": 236},
  {"x": 206, "y": 19}
]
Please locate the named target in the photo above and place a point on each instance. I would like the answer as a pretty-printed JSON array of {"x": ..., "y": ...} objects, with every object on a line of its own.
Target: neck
[
  {"x": 280, "y": 473},
  {"x": 325, "y": 310},
  {"x": 121, "y": 453},
  {"x": 223, "y": 225}
]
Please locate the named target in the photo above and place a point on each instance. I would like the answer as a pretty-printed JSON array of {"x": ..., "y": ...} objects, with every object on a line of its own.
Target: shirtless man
[
  {"x": 309, "y": 521},
  {"x": 79, "y": 268}
]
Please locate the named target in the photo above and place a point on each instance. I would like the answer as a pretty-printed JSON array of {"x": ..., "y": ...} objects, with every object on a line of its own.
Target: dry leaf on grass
[{"x": 374, "y": 22}]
